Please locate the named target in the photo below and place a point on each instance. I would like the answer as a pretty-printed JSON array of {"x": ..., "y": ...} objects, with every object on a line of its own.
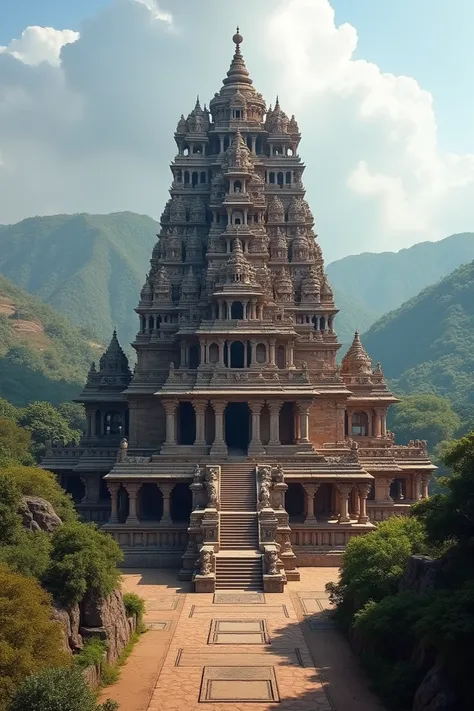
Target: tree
[
  {"x": 29, "y": 554},
  {"x": 15, "y": 443},
  {"x": 57, "y": 690},
  {"x": 33, "y": 481},
  {"x": 29, "y": 640},
  {"x": 74, "y": 414},
  {"x": 10, "y": 521},
  {"x": 372, "y": 565},
  {"x": 46, "y": 424},
  {"x": 83, "y": 559},
  {"x": 450, "y": 516},
  {"x": 428, "y": 417},
  {"x": 8, "y": 411}
]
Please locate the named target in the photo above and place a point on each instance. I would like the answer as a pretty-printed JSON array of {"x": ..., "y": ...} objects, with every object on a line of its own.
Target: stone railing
[
  {"x": 381, "y": 512},
  {"x": 394, "y": 452},
  {"x": 166, "y": 544},
  {"x": 323, "y": 538}
]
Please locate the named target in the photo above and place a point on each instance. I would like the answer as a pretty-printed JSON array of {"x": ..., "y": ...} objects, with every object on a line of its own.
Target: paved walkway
[{"x": 239, "y": 651}]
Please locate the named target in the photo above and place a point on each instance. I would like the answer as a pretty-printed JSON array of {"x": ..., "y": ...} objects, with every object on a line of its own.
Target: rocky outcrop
[
  {"x": 38, "y": 514},
  {"x": 69, "y": 619},
  {"x": 434, "y": 693},
  {"x": 106, "y": 619},
  {"x": 421, "y": 575}
]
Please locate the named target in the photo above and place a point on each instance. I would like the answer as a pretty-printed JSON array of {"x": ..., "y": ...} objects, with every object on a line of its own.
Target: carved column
[
  {"x": 272, "y": 343},
  {"x": 253, "y": 353},
  {"x": 92, "y": 489},
  {"x": 290, "y": 352},
  {"x": 364, "y": 491},
  {"x": 378, "y": 423},
  {"x": 417, "y": 486},
  {"x": 310, "y": 491},
  {"x": 274, "y": 406},
  {"x": 202, "y": 359},
  {"x": 200, "y": 411},
  {"x": 182, "y": 363},
  {"x": 219, "y": 445},
  {"x": 170, "y": 411},
  {"x": 132, "y": 489},
  {"x": 425, "y": 478},
  {"x": 221, "y": 352},
  {"x": 166, "y": 489},
  {"x": 303, "y": 408},
  {"x": 382, "y": 489},
  {"x": 255, "y": 446},
  {"x": 113, "y": 487},
  {"x": 344, "y": 491}
]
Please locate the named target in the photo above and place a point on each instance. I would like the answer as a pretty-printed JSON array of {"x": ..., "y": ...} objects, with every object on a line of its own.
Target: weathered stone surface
[
  {"x": 434, "y": 693},
  {"x": 69, "y": 621},
  {"x": 108, "y": 620},
  {"x": 38, "y": 514},
  {"x": 421, "y": 574}
]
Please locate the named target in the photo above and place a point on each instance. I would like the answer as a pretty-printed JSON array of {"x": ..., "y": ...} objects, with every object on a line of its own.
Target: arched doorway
[
  {"x": 323, "y": 504},
  {"x": 237, "y": 310},
  {"x": 186, "y": 423},
  {"x": 237, "y": 354},
  {"x": 287, "y": 423},
  {"x": 150, "y": 502},
  {"x": 181, "y": 502},
  {"x": 294, "y": 502},
  {"x": 237, "y": 427}
]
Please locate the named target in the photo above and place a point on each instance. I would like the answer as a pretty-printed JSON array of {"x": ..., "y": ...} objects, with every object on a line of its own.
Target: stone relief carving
[{"x": 271, "y": 562}]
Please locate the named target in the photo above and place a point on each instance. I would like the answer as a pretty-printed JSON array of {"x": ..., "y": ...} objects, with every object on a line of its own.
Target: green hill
[
  {"x": 42, "y": 357},
  {"x": 383, "y": 282},
  {"x": 353, "y": 315},
  {"x": 89, "y": 267},
  {"x": 427, "y": 345}
]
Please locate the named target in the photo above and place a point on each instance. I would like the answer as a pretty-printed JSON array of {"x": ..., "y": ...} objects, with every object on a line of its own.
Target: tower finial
[{"x": 237, "y": 38}]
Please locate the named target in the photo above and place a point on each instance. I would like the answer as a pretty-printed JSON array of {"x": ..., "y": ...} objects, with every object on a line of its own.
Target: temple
[{"x": 238, "y": 450}]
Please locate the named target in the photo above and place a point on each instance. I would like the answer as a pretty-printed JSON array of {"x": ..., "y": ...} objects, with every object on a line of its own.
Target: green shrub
[
  {"x": 134, "y": 606},
  {"x": 15, "y": 443},
  {"x": 384, "y": 635},
  {"x": 29, "y": 554},
  {"x": 57, "y": 690},
  {"x": 83, "y": 559},
  {"x": 92, "y": 653},
  {"x": 372, "y": 565},
  {"x": 10, "y": 521},
  {"x": 33, "y": 481},
  {"x": 29, "y": 640}
]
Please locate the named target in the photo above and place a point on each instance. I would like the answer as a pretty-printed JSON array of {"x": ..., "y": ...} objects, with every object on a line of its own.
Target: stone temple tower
[{"x": 248, "y": 451}]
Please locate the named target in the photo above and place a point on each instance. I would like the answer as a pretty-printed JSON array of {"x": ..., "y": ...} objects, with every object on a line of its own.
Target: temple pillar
[
  {"x": 200, "y": 411},
  {"x": 364, "y": 491},
  {"x": 113, "y": 487},
  {"x": 290, "y": 354},
  {"x": 378, "y": 423},
  {"x": 344, "y": 491},
  {"x": 382, "y": 489},
  {"x": 170, "y": 412},
  {"x": 253, "y": 353},
  {"x": 255, "y": 446},
  {"x": 310, "y": 492},
  {"x": 182, "y": 363},
  {"x": 166, "y": 489},
  {"x": 245, "y": 314},
  {"x": 303, "y": 408},
  {"x": 132, "y": 489},
  {"x": 221, "y": 343},
  {"x": 417, "y": 486},
  {"x": 425, "y": 478},
  {"x": 92, "y": 488},
  {"x": 254, "y": 144},
  {"x": 219, "y": 446},
  {"x": 272, "y": 350},
  {"x": 274, "y": 406},
  {"x": 203, "y": 353}
]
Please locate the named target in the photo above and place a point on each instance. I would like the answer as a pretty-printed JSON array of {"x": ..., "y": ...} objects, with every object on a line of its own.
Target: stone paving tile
[{"x": 334, "y": 684}]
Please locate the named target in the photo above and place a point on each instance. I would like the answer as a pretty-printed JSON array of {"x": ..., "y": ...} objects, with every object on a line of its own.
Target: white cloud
[
  {"x": 40, "y": 44},
  {"x": 87, "y": 118}
]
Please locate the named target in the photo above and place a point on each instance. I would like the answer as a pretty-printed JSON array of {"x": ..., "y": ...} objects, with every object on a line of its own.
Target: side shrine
[{"x": 238, "y": 450}]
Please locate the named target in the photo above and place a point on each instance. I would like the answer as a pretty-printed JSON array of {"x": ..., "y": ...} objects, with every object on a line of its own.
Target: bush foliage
[
  {"x": 83, "y": 559},
  {"x": 29, "y": 640},
  {"x": 134, "y": 605},
  {"x": 33, "y": 481}
]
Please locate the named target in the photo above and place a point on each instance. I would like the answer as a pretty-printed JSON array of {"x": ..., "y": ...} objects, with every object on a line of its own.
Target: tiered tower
[{"x": 249, "y": 450}]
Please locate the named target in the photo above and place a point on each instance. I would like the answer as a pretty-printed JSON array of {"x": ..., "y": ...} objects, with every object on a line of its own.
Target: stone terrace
[{"x": 239, "y": 651}]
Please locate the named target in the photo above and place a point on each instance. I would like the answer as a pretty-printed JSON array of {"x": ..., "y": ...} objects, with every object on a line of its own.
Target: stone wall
[
  {"x": 326, "y": 423},
  {"x": 146, "y": 422}
]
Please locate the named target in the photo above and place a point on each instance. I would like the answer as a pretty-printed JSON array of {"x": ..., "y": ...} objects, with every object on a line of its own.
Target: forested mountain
[
  {"x": 427, "y": 345},
  {"x": 383, "y": 282},
  {"x": 89, "y": 267},
  {"x": 352, "y": 315},
  {"x": 42, "y": 357}
]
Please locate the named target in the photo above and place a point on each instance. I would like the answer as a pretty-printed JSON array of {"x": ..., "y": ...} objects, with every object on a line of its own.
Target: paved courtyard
[{"x": 239, "y": 651}]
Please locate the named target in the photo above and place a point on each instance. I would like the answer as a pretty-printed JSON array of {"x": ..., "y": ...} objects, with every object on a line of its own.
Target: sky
[{"x": 91, "y": 91}]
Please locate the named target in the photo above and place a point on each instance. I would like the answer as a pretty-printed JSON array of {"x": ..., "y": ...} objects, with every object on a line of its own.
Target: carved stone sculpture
[
  {"x": 205, "y": 560},
  {"x": 271, "y": 562},
  {"x": 123, "y": 451}
]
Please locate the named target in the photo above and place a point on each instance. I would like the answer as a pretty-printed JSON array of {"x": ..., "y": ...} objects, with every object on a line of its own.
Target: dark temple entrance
[{"x": 237, "y": 427}]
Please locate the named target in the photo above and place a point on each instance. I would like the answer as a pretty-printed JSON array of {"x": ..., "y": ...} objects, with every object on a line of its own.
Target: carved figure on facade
[
  {"x": 271, "y": 562},
  {"x": 123, "y": 451},
  {"x": 206, "y": 562}
]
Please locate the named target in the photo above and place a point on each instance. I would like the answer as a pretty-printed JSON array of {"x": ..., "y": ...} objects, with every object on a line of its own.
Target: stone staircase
[
  {"x": 237, "y": 572},
  {"x": 239, "y": 562}
]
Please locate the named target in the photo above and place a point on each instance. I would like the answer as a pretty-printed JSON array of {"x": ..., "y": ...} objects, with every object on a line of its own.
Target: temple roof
[
  {"x": 356, "y": 360},
  {"x": 111, "y": 379}
]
